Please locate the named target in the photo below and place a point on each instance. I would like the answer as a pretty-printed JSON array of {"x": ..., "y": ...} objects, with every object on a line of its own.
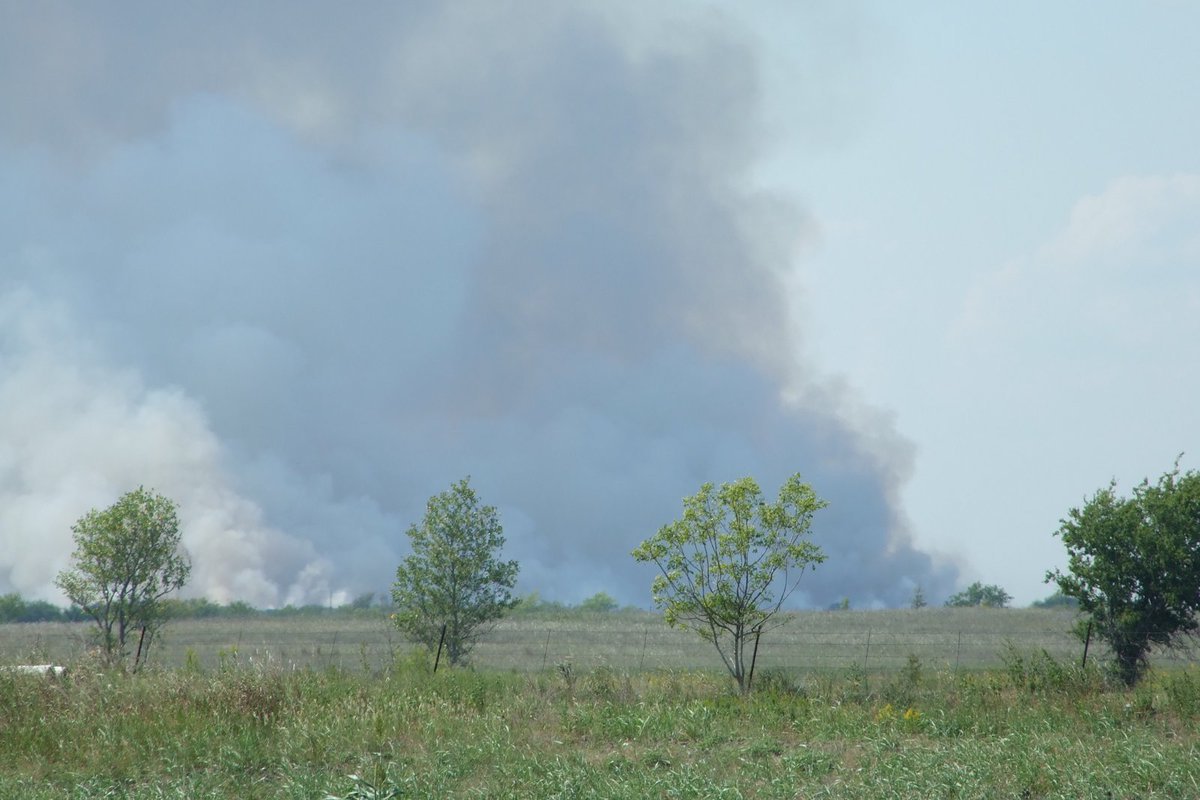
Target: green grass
[
  {"x": 1036, "y": 729},
  {"x": 300, "y": 708}
]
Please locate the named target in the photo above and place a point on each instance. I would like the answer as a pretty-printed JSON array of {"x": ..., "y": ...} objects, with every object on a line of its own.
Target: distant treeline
[{"x": 14, "y": 608}]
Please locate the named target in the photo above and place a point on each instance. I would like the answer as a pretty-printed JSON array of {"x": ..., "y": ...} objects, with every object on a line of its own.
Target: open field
[
  {"x": 941, "y": 638},
  {"x": 1035, "y": 729},
  {"x": 899, "y": 704}
]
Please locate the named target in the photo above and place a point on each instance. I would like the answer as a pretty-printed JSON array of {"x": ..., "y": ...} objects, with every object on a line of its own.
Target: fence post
[
  {"x": 137, "y": 660},
  {"x": 438, "y": 659},
  {"x": 867, "y": 655},
  {"x": 642, "y": 661},
  {"x": 546, "y": 651},
  {"x": 1087, "y": 639},
  {"x": 753, "y": 659},
  {"x": 958, "y": 653}
]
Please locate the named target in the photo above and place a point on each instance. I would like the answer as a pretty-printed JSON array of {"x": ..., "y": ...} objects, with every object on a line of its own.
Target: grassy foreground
[{"x": 1034, "y": 729}]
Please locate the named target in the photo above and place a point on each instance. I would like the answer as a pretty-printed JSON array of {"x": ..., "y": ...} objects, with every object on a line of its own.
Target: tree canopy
[
  {"x": 127, "y": 558},
  {"x": 454, "y": 577},
  {"x": 1134, "y": 566},
  {"x": 728, "y": 565}
]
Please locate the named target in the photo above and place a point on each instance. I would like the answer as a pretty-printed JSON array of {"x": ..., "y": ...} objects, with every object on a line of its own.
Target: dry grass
[{"x": 877, "y": 641}]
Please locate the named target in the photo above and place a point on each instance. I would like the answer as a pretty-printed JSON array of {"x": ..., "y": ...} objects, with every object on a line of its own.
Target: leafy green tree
[
  {"x": 454, "y": 577},
  {"x": 1134, "y": 566},
  {"x": 918, "y": 597},
  {"x": 12, "y": 608},
  {"x": 600, "y": 602},
  {"x": 726, "y": 567},
  {"x": 127, "y": 559},
  {"x": 978, "y": 595}
]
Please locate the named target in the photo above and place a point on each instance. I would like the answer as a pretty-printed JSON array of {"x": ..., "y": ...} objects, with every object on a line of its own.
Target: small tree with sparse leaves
[{"x": 726, "y": 567}]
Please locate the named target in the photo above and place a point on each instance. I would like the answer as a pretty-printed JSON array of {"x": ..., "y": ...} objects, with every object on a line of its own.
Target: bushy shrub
[
  {"x": 777, "y": 682},
  {"x": 902, "y": 690},
  {"x": 1038, "y": 671}
]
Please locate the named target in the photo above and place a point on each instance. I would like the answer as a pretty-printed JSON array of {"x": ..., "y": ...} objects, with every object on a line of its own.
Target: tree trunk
[
  {"x": 1129, "y": 662},
  {"x": 739, "y": 660}
]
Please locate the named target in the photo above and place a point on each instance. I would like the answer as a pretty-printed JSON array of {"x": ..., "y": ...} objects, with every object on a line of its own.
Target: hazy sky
[
  {"x": 1008, "y": 255},
  {"x": 299, "y": 268}
]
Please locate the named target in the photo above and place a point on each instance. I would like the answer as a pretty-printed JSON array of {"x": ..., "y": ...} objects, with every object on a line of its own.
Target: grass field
[
  {"x": 811, "y": 641},
  {"x": 325, "y": 707}
]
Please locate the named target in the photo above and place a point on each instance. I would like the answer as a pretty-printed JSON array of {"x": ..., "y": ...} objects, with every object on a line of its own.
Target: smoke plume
[{"x": 301, "y": 266}]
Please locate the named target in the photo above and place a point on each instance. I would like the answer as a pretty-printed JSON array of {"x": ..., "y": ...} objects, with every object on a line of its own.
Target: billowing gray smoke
[{"x": 300, "y": 271}]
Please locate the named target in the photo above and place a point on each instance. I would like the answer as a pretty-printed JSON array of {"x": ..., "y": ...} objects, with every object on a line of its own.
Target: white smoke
[{"x": 77, "y": 432}]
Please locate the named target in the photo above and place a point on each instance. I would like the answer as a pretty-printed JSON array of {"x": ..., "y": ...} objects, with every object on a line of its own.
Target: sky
[{"x": 299, "y": 269}]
